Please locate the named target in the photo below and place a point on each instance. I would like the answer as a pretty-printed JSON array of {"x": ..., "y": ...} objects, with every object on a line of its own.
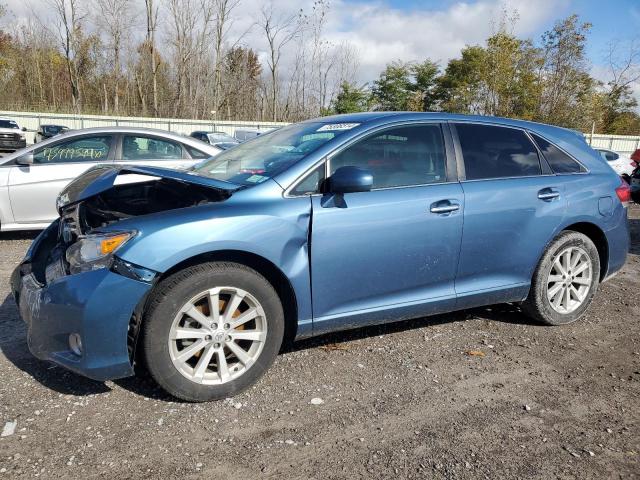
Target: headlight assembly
[{"x": 95, "y": 251}]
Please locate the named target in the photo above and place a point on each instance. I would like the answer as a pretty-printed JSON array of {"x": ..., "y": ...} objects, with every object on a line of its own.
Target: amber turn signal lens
[{"x": 110, "y": 244}]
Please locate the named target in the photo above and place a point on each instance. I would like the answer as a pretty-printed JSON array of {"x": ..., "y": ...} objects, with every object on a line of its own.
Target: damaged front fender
[{"x": 274, "y": 230}]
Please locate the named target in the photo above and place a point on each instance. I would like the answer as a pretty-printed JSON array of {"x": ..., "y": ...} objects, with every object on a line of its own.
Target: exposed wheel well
[
  {"x": 265, "y": 268},
  {"x": 598, "y": 237},
  {"x": 261, "y": 265}
]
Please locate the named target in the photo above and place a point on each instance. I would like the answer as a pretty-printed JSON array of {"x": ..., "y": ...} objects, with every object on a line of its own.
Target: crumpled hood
[{"x": 103, "y": 177}]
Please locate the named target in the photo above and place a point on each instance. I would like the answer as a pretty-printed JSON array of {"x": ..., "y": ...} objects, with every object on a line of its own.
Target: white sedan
[
  {"x": 32, "y": 178},
  {"x": 621, "y": 163}
]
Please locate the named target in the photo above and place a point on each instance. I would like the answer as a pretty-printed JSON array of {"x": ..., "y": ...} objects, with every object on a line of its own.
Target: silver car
[{"x": 32, "y": 178}]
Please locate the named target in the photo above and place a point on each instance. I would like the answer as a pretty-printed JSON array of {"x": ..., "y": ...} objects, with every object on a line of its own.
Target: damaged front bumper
[{"x": 97, "y": 305}]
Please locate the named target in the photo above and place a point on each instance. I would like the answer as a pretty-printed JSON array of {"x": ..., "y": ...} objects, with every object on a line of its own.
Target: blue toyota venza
[{"x": 319, "y": 226}]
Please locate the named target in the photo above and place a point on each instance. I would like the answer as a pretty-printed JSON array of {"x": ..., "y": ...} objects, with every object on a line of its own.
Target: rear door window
[
  {"x": 150, "y": 148},
  {"x": 491, "y": 151},
  {"x": 559, "y": 161},
  {"x": 84, "y": 149}
]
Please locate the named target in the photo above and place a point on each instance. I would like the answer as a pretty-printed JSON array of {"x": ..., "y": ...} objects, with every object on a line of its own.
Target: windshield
[
  {"x": 220, "y": 137},
  {"x": 8, "y": 124},
  {"x": 54, "y": 129},
  {"x": 226, "y": 145},
  {"x": 265, "y": 156}
]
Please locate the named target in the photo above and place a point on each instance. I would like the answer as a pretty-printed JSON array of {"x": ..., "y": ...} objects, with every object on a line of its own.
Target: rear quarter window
[
  {"x": 195, "y": 153},
  {"x": 559, "y": 161}
]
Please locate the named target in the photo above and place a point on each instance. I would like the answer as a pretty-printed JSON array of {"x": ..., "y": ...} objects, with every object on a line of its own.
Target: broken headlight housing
[{"x": 95, "y": 251}]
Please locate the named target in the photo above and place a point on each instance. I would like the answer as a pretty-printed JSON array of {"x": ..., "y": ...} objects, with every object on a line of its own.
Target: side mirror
[
  {"x": 26, "y": 159},
  {"x": 24, "y": 129},
  {"x": 350, "y": 180}
]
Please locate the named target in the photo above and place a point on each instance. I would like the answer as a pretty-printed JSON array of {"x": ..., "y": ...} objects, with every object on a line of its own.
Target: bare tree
[
  {"x": 151, "y": 11},
  {"x": 113, "y": 17},
  {"x": 624, "y": 64},
  {"x": 224, "y": 9},
  {"x": 68, "y": 24},
  {"x": 279, "y": 31},
  {"x": 183, "y": 15}
]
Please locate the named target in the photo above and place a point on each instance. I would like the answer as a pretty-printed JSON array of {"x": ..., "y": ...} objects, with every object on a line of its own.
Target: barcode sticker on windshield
[{"x": 337, "y": 126}]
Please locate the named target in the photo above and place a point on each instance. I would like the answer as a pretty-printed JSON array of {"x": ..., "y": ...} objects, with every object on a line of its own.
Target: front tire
[
  {"x": 211, "y": 331},
  {"x": 565, "y": 280}
]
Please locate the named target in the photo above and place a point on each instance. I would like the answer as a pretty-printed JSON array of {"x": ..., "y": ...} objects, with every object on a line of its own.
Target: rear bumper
[
  {"x": 97, "y": 305},
  {"x": 618, "y": 242}
]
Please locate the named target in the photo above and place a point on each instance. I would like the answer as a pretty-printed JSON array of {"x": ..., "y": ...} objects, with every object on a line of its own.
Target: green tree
[
  {"x": 350, "y": 99},
  {"x": 499, "y": 79},
  {"x": 568, "y": 87},
  {"x": 407, "y": 86},
  {"x": 617, "y": 111},
  {"x": 509, "y": 76},
  {"x": 424, "y": 91},
  {"x": 393, "y": 89},
  {"x": 459, "y": 88}
]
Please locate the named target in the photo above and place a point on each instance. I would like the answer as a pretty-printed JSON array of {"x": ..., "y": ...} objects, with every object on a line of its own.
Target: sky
[{"x": 412, "y": 30}]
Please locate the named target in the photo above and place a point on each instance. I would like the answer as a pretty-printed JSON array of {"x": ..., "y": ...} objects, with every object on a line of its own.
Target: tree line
[
  {"x": 547, "y": 81},
  {"x": 184, "y": 58}
]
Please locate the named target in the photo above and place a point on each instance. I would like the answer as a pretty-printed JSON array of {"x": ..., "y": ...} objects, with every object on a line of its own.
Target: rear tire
[
  {"x": 211, "y": 331},
  {"x": 565, "y": 280}
]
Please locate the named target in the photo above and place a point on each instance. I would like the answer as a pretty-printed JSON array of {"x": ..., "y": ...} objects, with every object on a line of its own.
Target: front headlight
[{"x": 95, "y": 251}]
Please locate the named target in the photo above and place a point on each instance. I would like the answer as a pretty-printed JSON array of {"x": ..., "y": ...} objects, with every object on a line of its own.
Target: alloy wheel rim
[
  {"x": 569, "y": 280},
  {"x": 217, "y": 335}
]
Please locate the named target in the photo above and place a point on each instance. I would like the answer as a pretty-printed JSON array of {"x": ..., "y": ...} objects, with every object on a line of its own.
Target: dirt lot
[{"x": 401, "y": 401}]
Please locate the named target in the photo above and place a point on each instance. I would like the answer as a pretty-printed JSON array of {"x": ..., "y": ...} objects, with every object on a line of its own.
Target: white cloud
[
  {"x": 383, "y": 34},
  {"x": 380, "y": 33}
]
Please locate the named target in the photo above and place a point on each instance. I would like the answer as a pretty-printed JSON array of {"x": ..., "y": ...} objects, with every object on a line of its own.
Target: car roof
[
  {"x": 367, "y": 117},
  {"x": 131, "y": 130},
  {"x": 122, "y": 129},
  {"x": 209, "y": 149}
]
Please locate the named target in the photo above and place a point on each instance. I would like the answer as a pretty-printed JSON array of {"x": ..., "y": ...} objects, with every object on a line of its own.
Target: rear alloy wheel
[
  {"x": 565, "y": 280},
  {"x": 569, "y": 280},
  {"x": 211, "y": 330}
]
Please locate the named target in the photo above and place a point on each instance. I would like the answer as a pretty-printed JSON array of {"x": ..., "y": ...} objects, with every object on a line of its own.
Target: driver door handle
[{"x": 444, "y": 206}]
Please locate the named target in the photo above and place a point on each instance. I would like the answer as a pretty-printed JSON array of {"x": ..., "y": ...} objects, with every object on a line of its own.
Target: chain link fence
[{"x": 32, "y": 121}]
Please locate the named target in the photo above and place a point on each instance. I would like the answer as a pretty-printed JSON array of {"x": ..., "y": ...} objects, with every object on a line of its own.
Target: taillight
[{"x": 624, "y": 193}]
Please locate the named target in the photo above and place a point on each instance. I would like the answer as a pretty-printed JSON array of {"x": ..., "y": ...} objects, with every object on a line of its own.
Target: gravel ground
[{"x": 473, "y": 394}]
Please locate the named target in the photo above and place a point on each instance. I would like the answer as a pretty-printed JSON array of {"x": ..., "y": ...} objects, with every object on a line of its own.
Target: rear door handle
[
  {"x": 548, "y": 194},
  {"x": 444, "y": 206}
]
